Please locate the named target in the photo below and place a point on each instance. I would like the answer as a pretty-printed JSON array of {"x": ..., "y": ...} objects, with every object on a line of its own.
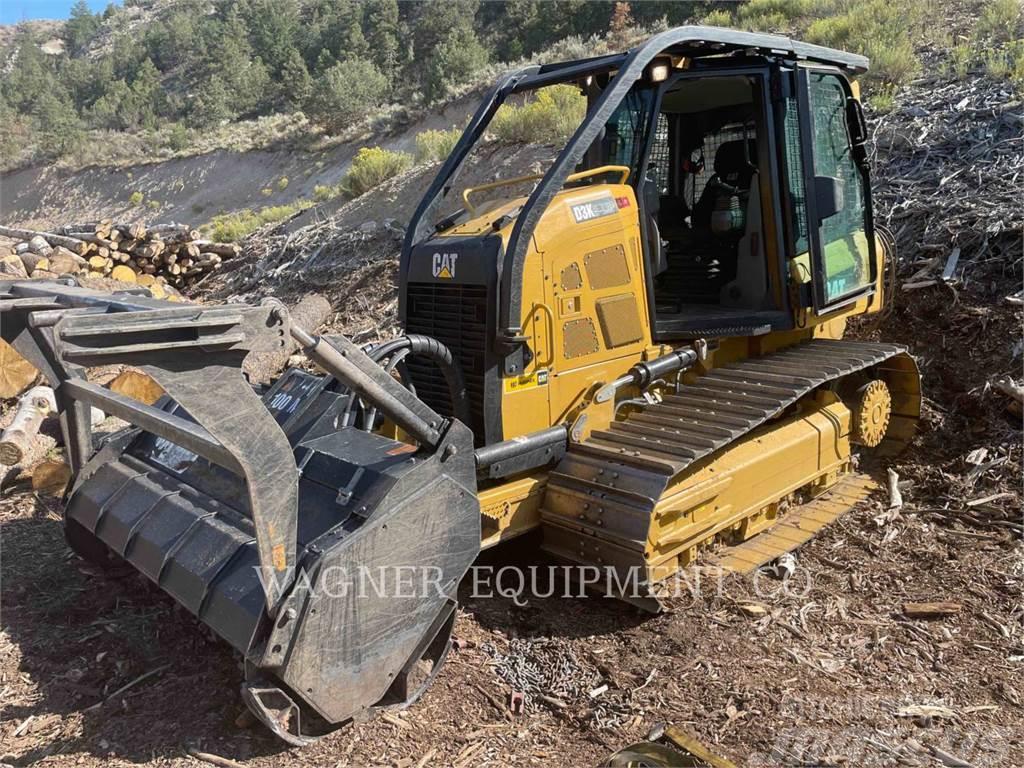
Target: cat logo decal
[{"x": 444, "y": 265}]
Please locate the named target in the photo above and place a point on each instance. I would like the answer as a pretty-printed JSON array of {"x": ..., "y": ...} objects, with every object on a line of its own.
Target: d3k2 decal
[{"x": 594, "y": 209}]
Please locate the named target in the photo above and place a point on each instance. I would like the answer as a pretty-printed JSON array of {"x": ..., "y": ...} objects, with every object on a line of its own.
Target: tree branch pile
[
  {"x": 355, "y": 268},
  {"x": 154, "y": 257},
  {"x": 948, "y": 166}
]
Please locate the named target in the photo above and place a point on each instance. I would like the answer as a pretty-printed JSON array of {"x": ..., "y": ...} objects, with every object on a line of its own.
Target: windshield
[{"x": 528, "y": 132}]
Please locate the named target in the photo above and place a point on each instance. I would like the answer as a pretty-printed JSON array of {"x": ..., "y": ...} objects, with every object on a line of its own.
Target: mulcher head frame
[{"x": 328, "y": 556}]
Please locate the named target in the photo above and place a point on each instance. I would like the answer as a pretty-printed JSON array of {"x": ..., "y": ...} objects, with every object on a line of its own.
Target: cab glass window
[
  {"x": 625, "y": 132},
  {"x": 844, "y": 244}
]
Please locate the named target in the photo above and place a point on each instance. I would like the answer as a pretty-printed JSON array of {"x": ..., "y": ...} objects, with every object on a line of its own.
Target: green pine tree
[
  {"x": 213, "y": 105},
  {"x": 346, "y": 92},
  {"x": 80, "y": 27},
  {"x": 273, "y": 29},
  {"x": 458, "y": 56},
  {"x": 30, "y": 75},
  {"x": 295, "y": 84},
  {"x": 57, "y": 125},
  {"x": 382, "y": 30}
]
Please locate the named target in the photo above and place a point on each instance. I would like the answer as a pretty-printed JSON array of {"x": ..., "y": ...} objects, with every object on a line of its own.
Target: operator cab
[
  {"x": 715, "y": 188},
  {"x": 703, "y": 162},
  {"x": 702, "y": 176},
  {"x": 717, "y": 170}
]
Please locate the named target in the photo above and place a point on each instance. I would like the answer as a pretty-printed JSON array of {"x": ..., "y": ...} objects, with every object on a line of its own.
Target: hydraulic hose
[{"x": 428, "y": 347}]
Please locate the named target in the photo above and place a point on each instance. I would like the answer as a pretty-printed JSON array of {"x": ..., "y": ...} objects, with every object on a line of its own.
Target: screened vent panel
[{"x": 658, "y": 165}]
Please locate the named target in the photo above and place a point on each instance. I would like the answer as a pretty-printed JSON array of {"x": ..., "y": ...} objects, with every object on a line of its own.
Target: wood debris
[
  {"x": 949, "y": 161},
  {"x": 16, "y": 373},
  {"x": 931, "y": 610},
  {"x": 15, "y": 441}
]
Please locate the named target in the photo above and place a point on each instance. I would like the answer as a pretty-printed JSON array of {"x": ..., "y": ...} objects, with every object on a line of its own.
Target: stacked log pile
[{"x": 153, "y": 257}]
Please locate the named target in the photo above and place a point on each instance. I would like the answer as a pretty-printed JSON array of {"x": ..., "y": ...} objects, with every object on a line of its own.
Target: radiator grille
[{"x": 457, "y": 316}]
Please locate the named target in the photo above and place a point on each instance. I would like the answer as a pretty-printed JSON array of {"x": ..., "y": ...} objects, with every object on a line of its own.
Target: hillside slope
[{"x": 194, "y": 188}]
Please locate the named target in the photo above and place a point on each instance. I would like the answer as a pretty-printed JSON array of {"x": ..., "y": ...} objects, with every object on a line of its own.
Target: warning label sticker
[{"x": 527, "y": 381}]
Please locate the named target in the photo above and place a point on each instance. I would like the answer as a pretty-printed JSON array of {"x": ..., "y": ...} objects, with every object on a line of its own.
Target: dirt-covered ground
[{"x": 99, "y": 668}]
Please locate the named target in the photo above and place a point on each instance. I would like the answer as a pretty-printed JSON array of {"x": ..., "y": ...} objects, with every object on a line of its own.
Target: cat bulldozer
[{"x": 637, "y": 355}]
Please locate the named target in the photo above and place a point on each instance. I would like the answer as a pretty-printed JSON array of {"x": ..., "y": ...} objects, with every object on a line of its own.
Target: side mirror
[
  {"x": 855, "y": 120},
  {"x": 828, "y": 196},
  {"x": 858, "y": 129}
]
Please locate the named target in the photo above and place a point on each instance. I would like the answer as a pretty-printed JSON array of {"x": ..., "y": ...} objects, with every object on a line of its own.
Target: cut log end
[
  {"x": 137, "y": 385},
  {"x": 51, "y": 478},
  {"x": 16, "y": 373}
]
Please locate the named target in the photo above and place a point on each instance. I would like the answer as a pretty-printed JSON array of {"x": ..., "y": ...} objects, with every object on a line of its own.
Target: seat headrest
[{"x": 731, "y": 164}]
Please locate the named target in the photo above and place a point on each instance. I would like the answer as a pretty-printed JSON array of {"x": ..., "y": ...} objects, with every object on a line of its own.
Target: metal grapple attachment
[{"x": 327, "y": 555}]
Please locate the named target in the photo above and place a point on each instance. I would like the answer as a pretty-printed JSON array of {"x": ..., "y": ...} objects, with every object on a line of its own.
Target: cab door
[{"x": 835, "y": 196}]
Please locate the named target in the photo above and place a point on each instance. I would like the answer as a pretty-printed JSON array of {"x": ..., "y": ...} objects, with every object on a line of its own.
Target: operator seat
[{"x": 733, "y": 167}]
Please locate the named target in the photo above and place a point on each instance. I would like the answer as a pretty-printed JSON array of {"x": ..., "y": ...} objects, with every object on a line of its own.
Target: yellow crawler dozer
[{"x": 639, "y": 357}]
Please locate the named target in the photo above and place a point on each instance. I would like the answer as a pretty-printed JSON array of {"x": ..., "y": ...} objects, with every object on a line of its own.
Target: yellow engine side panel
[{"x": 584, "y": 306}]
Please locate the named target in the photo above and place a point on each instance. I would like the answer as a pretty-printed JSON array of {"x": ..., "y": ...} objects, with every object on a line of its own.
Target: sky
[{"x": 13, "y": 11}]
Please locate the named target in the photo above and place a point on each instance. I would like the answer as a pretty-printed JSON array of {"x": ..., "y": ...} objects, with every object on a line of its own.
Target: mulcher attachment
[{"x": 328, "y": 556}]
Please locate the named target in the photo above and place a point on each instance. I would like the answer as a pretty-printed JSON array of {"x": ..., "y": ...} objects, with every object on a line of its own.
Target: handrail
[
  {"x": 620, "y": 169},
  {"x": 494, "y": 185},
  {"x": 543, "y": 307}
]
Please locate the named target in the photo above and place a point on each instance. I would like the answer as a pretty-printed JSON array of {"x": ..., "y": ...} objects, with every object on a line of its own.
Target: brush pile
[
  {"x": 153, "y": 257},
  {"x": 949, "y": 161}
]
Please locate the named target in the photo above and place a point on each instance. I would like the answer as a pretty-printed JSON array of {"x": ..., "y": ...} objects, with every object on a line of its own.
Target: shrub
[
  {"x": 266, "y": 191},
  {"x": 282, "y": 183},
  {"x": 881, "y": 30},
  {"x": 997, "y": 64},
  {"x": 770, "y": 14},
  {"x": 768, "y": 22},
  {"x": 371, "y": 166},
  {"x": 552, "y": 117},
  {"x": 346, "y": 92},
  {"x": 136, "y": 198},
  {"x": 178, "y": 137},
  {"x": 324, "y": 192},
  {"x": 229, "y": 227},
  {"x": 432, "y": 146},
  {"x": 960, "y": 59},
  {"x": 1015, "y": 54},
  {"x": 1007, "y": 62},
  {"x": 719, "y": 18},
  {"x": 892, "y": 64},
  {"x": 882, "y": 100},
  {"x": 1000, "y": 21}
]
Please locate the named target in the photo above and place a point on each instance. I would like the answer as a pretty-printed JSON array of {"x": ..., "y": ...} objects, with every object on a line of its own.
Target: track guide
[
  {"x": 604, "y": 494},
  {"x": 797, "y": 528}
]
